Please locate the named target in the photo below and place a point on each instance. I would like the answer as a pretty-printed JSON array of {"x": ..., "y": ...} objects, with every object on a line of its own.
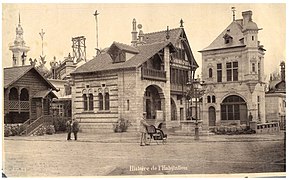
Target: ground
[{"x": 112, "y": 154}]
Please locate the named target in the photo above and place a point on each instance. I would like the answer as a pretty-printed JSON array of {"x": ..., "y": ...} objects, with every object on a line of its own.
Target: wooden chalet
[{"x": 27, "y": 96}]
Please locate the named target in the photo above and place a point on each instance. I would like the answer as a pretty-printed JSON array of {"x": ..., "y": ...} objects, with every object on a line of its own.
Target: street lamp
[{"x": 194, "y": 90}]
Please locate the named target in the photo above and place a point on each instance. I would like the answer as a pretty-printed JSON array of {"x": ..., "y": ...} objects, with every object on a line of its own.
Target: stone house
[
  {"x": 126, "y": 80},
  {"x": 276, "y": 99},
  {"x": 233, "y": 71}
]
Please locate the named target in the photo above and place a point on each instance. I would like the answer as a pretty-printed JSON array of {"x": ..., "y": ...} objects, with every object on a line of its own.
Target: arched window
[
  {"x": 253, "y": 67},
  {"x": 24, "y": 95},
  {"x": 210, "y": 73},
  {"x": 209, "y": 99},
  {"x": 213, "y": 99},
  {"x": 13, "y": 94},
  {"x": 106, "y": 99},
  {"x": 100, "y": 99},
  {"x": 90, "y": 102},
  {"x": 127, "y": 105},
  {"x": 233, "y": 108},
  {"x": 84, "y": 97}
]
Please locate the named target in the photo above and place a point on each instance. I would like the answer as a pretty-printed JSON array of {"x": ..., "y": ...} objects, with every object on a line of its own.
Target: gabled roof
[
  {"x": 44, "y": 93},
  {"x": 104, "y": 62},
  {"x": 125, "y": 47},
  {"x": 160, "y": 36},
  {"x": 234, "y": 30},
  {"x": 12, "y": 74},
  {"x": 174, "y": 36}
]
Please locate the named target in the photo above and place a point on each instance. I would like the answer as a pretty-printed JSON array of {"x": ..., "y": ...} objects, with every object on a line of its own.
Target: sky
[{"x": 202, "y": 23}]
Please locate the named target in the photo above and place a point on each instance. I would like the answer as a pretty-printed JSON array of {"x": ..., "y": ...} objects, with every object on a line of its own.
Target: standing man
[
  {"x": 75, "y": 128},
  {"x": 250, "y": 118},
  {"x": 69, "y": 129},
  {"x": 142, "y": 129}
]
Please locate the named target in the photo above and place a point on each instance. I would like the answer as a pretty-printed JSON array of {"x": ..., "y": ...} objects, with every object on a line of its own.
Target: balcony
[
  {"x": 19, "y": 106},
  {"x": 178, "y": 89},
  {"x": 153, "y": 74}
]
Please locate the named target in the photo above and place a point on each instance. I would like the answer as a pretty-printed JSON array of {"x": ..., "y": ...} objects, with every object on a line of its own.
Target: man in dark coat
[
  {"x": 75, "y": 128},
  {"x": 69, "y": 129}
]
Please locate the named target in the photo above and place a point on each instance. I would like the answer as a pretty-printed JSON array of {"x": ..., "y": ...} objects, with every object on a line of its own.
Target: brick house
[{"x": 126, "y": 80}]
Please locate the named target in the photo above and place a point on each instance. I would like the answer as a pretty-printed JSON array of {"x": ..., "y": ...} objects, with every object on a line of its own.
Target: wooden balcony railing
[
  {"x": 153, "y": 74},
  {"x": 19, "y": 105},
  {"x": 178, "y": 88}
]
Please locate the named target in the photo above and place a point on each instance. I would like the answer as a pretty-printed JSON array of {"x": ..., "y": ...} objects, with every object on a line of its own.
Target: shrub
[
  {"x": 50, "y": 129},
  {"x": 59, "y": 124},
  {"x": 121, "y": 125}
]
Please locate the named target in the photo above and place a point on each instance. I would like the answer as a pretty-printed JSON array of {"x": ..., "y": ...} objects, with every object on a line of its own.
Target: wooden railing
[
  {"x": 47, "y": 119},
  {"x": 153, "y": 74},
  {"x": 19, "y": 105},
  {"x": 25, "y": 125}
]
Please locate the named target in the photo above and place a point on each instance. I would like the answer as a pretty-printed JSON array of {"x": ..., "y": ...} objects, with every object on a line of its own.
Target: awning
[{"x": 63, "y": 98}]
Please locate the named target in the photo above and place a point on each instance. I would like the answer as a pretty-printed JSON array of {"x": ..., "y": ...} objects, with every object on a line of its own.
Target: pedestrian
[
  {"x": 143, "y": 130},
  {"x": 250, "y": 117},
  {"x": 69, "y": 129},
  {"x": 75, "y": 128}
]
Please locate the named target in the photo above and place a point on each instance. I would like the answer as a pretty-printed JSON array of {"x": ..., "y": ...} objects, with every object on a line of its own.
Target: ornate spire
[{"x": 233, "y": 10}]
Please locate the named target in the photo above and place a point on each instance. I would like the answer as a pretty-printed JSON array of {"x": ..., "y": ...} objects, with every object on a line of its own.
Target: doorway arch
[{"x": 153, "y": 101}]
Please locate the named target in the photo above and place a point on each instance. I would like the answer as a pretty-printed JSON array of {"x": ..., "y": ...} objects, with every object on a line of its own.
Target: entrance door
[
  {"x": 212, "y": 116},
  {"x": 38, "y": 109}
]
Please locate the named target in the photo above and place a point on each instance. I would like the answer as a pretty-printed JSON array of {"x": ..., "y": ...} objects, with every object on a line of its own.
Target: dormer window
[
  {"x": 227, "y": 38},
  {"x": 121, "y": 52}
]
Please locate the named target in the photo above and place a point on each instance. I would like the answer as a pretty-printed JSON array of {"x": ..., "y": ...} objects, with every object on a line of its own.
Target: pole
[
  {"x": 96, "y": 28},
  {"x": 196, "y": 108},
  {"x": 42, "y": 35}
]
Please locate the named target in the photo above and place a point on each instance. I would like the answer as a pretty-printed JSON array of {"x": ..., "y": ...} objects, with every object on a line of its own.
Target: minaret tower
[{"x": 19, "y": 49}]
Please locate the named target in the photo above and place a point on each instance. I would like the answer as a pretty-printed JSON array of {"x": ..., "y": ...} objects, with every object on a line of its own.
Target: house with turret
[{"x": 233, "y": 71}]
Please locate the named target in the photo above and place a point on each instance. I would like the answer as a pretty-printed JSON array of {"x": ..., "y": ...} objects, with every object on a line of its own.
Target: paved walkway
[
  {"x": 133, "y": 137},
  {"x": 119, "y": 154}
]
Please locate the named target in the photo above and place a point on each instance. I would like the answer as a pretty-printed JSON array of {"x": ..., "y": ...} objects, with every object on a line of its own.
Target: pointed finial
[
  {"x": 168, "y": 33},
  {"x": 233, "y": 10},
  {"x": 182, "y": 23}
]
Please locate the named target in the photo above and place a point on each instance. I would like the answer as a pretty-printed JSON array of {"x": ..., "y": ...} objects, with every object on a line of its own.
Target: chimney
[
  {"x": 247, "y": 16},
  {"x": 282, "y": 65},
  {"x": 134, "y": 33}
]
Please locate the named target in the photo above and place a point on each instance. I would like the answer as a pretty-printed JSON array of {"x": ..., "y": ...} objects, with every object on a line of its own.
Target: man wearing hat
[{"x": 142, "y": 129}]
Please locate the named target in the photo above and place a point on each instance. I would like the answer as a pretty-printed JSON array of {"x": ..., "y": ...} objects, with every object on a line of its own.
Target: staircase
[{"x": 30, "y": 126}]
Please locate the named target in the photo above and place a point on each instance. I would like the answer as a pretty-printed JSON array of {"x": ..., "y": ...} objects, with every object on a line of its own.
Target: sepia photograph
[{"x": 143, "y": 90}]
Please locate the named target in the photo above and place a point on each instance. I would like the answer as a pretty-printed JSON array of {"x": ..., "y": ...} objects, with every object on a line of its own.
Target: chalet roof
[
  {"x": 12, "y": 74},
  {"x": 160, "y": 36},
  {"x": 234, "y": 31},
  {"x": 104, "y": 62},
  {"x": 125, "y": 47},
  {"x": 174, "y": 36},
  {"x": 44, "y": 93}
]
